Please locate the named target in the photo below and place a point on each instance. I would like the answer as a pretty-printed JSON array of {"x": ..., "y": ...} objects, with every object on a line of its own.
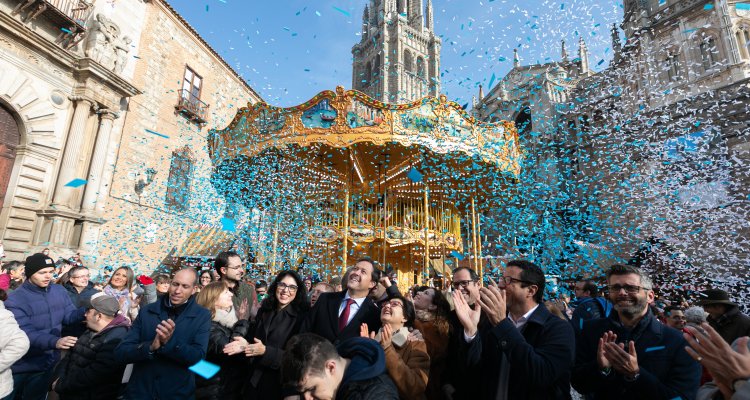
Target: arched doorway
[
  {"x": 10, "y": 138},
  {"x": 523, "y": 120}
]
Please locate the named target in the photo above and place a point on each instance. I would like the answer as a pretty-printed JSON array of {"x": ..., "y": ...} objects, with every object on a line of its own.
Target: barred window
[{"x": 180, "y": 176}]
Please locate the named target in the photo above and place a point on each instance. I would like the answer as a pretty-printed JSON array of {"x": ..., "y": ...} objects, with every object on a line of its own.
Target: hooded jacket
[
  {"x": 365, "y": 378},
  {"x": 13, "y": 345},
  {"x": 91, "y": 363},
  {"x": 41, "y": 313}
]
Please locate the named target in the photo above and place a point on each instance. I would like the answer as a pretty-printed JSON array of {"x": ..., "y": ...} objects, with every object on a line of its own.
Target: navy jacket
[
  {"x": 587, "y": 308},
  {"x": 41, "y": 313},
  {"x": 79, "y": 300},
  {"x": 540, "y": 357},
  {"x": 164, "y": 374},
  {"x": 666, "y": 369}
]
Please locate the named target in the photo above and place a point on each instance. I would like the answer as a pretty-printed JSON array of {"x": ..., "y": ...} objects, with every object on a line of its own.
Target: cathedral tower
[{"x": 398, "y": 58}]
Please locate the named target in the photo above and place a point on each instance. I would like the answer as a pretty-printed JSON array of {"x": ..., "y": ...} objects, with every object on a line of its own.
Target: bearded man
[{"x": 630, "y": 354}]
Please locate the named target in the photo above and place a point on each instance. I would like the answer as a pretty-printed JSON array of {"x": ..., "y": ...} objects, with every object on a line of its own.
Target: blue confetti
[
  {"x": 708, "y": 7},
  {"x": 205, "y": 369},
  {"x": 157, "y": 134},
  {"x": 414, "y": 175},
  {"x": 342, "y": 11},
  {"x": 457, "y": 255},
  {"x": 227, "y": 224},
  {"x": 742, "y": 6},
  {"x": 78, "y": 182}
]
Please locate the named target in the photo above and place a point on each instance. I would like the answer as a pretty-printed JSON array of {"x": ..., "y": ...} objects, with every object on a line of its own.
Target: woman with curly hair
[
  {"x": 279, "y": 318},
  {"x": 433, "y": 311}
]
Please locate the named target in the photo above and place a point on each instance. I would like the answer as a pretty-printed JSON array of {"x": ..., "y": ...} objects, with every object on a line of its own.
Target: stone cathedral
[{"x": 398, "y": 58}]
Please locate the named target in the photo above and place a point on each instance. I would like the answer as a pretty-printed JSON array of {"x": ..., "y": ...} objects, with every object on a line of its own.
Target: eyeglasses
[
  {"x": 80, "y": 276},
  {"x": 393, "y": 303},
  {"x": 282, "y": 286},
  {"x": 460, "y": 284},
  {"x": 509, "y": 279},
  {"x": 631, "y": 289}
]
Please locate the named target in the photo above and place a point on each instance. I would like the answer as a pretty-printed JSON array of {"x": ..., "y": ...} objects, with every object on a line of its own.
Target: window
[
  {"x": 408, "y": 62},
  {"x": 191, "y": 85},
  {"x": 743, "y": 40},
  {"x": 180, "y": 175},
  {"x": 673, "y": 66},
  {"x": 709, "y": 53},
  {"x": 420, "y": 67}
]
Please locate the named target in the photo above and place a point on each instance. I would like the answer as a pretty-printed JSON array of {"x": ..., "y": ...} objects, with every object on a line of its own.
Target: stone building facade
[
  {"x": 398, "y": 57},
  {"x": 654, "y": 149},
  {"x": 111, "y": 104}
]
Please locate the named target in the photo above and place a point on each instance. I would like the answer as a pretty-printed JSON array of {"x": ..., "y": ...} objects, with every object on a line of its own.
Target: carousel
[{"x": 344, "y": 176}]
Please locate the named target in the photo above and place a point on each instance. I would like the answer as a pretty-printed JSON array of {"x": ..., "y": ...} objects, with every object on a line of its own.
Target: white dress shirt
[{"x": 353, "y": 308}]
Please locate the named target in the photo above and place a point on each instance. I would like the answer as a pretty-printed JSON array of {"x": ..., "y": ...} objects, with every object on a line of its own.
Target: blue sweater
[{"x": 41, "y": 313}]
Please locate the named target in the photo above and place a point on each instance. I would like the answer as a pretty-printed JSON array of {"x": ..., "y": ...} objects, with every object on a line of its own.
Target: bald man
[{"x": 168, "y": 336}]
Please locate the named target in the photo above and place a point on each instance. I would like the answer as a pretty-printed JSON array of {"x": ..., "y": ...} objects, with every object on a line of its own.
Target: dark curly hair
[{"x": 299, "y": 304}]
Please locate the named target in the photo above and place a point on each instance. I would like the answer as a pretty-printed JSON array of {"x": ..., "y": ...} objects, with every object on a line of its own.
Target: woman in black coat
[
  {"x": 279, "y": 318},
  {"x": 225, "y": 326}
]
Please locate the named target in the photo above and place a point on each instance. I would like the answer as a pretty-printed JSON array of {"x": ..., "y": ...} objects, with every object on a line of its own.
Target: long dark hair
[{"x": 299, "y": 304}]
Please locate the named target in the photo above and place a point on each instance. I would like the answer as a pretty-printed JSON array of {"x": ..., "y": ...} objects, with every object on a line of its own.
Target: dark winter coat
[
  {"x": 365, "y": 378},
  {"x": 323, "y": 318},
  {"x": 227, "y": 383},
  {"x": 41, "y": 313},
  {"x": 464, "y": 378},
  {"x": 79, "y": 300},
  {"x": 732, "y": 325},
  {"x": 666, "y": 369},
  {"x": 540, "y": 356},
  {"x": 164, "y": 374},
  {"x": 274, "y": 328},
  {"x": 89, "y": 371}
]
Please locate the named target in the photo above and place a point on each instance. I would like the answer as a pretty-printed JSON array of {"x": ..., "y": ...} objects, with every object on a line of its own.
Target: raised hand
[
  {"x": 244, "y": 311},
  {"x": 724, "y": 363},
  {"x": 364, "y": 331},
  {"x": 601, "y": 360},
  {"x": 469, "y": 318},
  {"x": 386, "y": 335},
  {"x": 164, "y": 332},
  {"x": 493, "y": 303},
  {"x": 624, "y": 362}
]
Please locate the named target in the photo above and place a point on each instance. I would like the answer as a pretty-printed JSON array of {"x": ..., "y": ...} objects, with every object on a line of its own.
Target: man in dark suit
[
  {"x": 528, "y": 352},
  {"x": 338, "y": 316}
]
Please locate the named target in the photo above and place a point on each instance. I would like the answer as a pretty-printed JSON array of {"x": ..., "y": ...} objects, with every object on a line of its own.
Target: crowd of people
[{"x": 360, "y": 337}]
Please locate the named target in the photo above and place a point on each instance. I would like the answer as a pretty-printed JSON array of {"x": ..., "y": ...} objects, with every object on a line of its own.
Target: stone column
[
  {"x": 65, "y": 196},
  {"x": 98, "y": 160}
]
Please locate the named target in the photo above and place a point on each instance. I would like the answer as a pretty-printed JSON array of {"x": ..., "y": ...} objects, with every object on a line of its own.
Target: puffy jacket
[
  {"x": 13, "y": 345},
  {"x": 164, "y": 374},
  {"x": 227, "y": 383},
  {"x": 41, "y": 313},
  {"x": 79, "y": 300},
  {"x": 91, "y": 364}
]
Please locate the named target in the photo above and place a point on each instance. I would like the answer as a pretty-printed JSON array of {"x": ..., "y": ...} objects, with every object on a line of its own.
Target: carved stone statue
[
  {"x": 105, "y": 46},
  {"x": 122, "y": 47}
]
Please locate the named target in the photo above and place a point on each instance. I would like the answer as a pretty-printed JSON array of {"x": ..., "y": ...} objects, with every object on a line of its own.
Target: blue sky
[{"x": 289, "y": 50}]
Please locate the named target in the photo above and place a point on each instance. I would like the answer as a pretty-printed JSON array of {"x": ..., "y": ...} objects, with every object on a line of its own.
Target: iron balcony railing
[{"x": 191, "y": 107}]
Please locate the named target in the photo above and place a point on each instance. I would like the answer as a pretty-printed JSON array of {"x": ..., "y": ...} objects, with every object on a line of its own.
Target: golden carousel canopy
[
  {"x": 343, "y": 165},
  {"x": 348, "y": 136}
]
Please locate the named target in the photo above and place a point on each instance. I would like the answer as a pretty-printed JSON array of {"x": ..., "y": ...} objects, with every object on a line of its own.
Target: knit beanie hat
[{"x": 37, "y": 261}]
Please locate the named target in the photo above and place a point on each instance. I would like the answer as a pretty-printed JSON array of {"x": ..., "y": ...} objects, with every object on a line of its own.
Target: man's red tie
[{"x": 344, "y": 318}]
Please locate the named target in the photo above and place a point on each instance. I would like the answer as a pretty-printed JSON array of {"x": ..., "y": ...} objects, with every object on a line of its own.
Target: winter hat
[
  {"x": 37, "y": 261},
  {"x": 105, "y": 304}
]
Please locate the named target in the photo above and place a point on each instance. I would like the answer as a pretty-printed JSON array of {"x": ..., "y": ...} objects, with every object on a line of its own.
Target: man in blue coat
[
  {"x": 631, "y": 355},
  {"x": 168, "y": 336},
  {"x": 41, "y": 308}
]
